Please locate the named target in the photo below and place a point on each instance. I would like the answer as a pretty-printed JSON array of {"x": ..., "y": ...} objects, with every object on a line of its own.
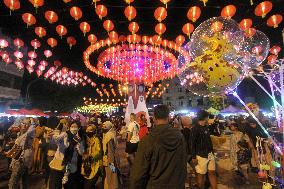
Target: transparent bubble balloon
[
  {"x": 214, "y": 49},
  {"x": 254, "y": 48}
]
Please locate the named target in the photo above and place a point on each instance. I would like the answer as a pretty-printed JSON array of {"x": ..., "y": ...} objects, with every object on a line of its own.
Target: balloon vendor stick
[
  {"x": 253, "y": 78},
  {"x": 256, "y": 119}
]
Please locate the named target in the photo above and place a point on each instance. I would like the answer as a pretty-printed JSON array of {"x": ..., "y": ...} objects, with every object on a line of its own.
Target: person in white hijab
[{"x": 110, "y": 161}]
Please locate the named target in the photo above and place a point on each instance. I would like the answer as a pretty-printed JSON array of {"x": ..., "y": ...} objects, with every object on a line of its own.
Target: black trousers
[
  {"x": 55, "y": 180},
  {"x": 91, "y": 183}
]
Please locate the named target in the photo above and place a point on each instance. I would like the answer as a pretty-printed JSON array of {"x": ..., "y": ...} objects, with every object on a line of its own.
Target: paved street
[{"x": 226, "y": 178}]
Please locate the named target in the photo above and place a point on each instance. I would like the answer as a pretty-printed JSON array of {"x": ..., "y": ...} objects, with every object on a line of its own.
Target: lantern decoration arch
[
  {"x": 160, "y": 14},
  {"x": 228, "y": 11},
  {"x": 12, "y": 4},
  {"x": 130, "y": 12},
  {"x": 51, "y": 16},
  {"x": 40, "y": 32},
  {"x": 85, "y": 27},
  {"x": 61, "y": 30},
  {"x": 52, "y": 42},
  {"x": 263, "y": 8},
  {"x": 29, "y": 19},
  {"x": 194, "y": 13},
  {"x": 274, "y": 20},
  {"x": 101, "y": 11},
  {"x": 76, "y": 13},
  {"x": 71, "y": 41}
]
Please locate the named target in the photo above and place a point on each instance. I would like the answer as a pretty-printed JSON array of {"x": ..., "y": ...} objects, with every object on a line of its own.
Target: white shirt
[{"x": 133, "y": 129}]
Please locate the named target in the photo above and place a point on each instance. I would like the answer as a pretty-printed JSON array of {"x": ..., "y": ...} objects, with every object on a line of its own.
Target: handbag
[{"x": 56, "y": 164}]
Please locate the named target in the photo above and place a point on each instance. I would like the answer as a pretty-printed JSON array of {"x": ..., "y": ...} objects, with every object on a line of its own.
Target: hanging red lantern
[
  {"x": 92, "y": 38},
  {"x": 40, "y": 31},
  {"x": 250, "y": 32},
  {"x": 133, "y": 27},
  {"x": 35, "y": 44},
  {"x": 160, "y": 28},
  {"x": 245, "y": 23},
  {"x": 228, "y": 11},
  {"x": 274, "y": 20},
  {"x": 180, "y": 40},
  {"x": 12, "y": 4},
  {"x": 193, "y": 13},
  {"x": 76, "y": 13},
  {"x": 39, "y": 72},
  {"x": 160, "y": 14},
  {"x": 3, "y": 43},
  {"x": 37, "y": 3},
  {"x": 130, "y": 12},
  {"x": 165, "y": 43},
  {"x": 122, "y": 38},
  {"x": 18, "y": 43},
  {"x": 52, "y": 42},
  {"x": 71, "y": 41},
  {"x": 19, "y": 64},
  {"x": 157, "y": 40},
  {"x": 31, "y": 63},
  {"x": 165, "y": 2},
  {"x": 108, "y": 25},
  {"x": 85, "y": 27},
  {"x": 113, "y": 36},
  {"x": 47, "y": 53},
  {"x": 61, "y": 30},
  {"x": 57, "y": 63},
  {"x": 18, "y": 54},
  {"x": 187, "y": 29},
  {"x": 271, "y": 59},
  {"x": 263, "y": 8},
  {"x": 128, "y": 1},
  {"x": 51, "y": 16},
  {"x": 32, "y": 54},
  {"x": 8, "y": 60},
  {"x": 275, "y": 50},
  {"x": 43, "y": 63},
  {"x": 29, "y": 19},
  {"x": 101, "y": 11},
  {"x": 145, "y": 39},
  {"x": 4, "y": 55}
]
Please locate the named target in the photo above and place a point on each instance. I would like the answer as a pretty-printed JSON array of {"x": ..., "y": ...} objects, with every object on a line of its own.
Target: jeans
[{"x": 19, "y": 172}]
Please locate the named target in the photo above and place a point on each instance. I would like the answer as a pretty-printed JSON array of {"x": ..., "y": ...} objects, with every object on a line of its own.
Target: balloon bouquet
[{"x": 222, "y": 55}]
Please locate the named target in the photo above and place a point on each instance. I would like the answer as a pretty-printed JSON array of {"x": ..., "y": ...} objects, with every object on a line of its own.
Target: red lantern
[
  {"x": 275, "y": 50},
  {"x": 35, "y": 44},
  {"x": 8, "y": 60},
  {"x": 47, "y": 53},
  {"x": 274, "y": 20},
  {"x": 92, "y": 38},
  {"x": 113, "y": 36},
  {"x": 57, "y": 63},
  {"x": 250, "y": 32},
  {"x": 39, "y": 72},
  {"x": 12, "y": 4},
  {"x": 108, "y": 25},
  {"x": 187, "y": 29},
  {"x": 193, "y": 13},
  {"x": 51, "y": 16},
  {"x": 31, "y": 63},
  {"x": 61, "y": 30},
  {"x": 85, "y": 27},
  {"x": 228, "y": 11},
  {"x": 145, "y": 39},
  {"x": 122, "y": 38},
  {"x": 101, "y": 11},
  {"x": 19, "y": 64},
  {"x": 32, "y": 54},
  {"x": 271, "y": 59},
  {"x": 133, "y": 27},
  {"x": 37, "y": 3},
  {"x": 52, "y": 42},
  {"x": 160, "y": 14},
  {"x": 29, "y": 19},
  {"x": 71, "y": 41},
  {"x": 3, "y": 43},
  {"x": 160, "y": 28},
  {"x": 18, "y": 43},
  {"x": 128, "y": 1},
  {"x": 76, "y": 13},
  {"x": 40, "y": 31},
  {"x": 262, "y": 9},
  {"x": 18, "y": 54},
  {"x": 165, "y": 2},
  {"x": 43, "y": 63},
  {"x": 245, "y": 23},
  {"x": 130, "y": 13},
  {"x": 180, "y": 40}
]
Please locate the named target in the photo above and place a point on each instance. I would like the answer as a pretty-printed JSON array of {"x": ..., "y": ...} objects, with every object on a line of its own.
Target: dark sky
[{"x": 46, "y": 92}]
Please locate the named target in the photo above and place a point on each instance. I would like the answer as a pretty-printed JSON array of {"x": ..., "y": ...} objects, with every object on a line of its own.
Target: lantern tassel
[{"x": 251, "y": 2}]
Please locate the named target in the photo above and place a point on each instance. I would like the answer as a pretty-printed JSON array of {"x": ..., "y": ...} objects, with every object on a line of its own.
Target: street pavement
[{"x": 226, "y": 178}]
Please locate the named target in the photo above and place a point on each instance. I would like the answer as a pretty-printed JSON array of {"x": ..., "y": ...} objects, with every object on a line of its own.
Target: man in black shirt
[{"x": 202, "y": 151}]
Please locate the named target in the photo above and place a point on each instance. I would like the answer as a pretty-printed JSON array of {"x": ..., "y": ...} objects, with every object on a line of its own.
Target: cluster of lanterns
[
  {"x": 157, "y": 91},
  {"x": 272, "y": 58},
  {"x": 98, "y": 108}
]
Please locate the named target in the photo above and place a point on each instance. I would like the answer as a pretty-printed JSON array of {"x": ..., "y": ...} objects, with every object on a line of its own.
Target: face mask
[{"x": 74, "y": 130}]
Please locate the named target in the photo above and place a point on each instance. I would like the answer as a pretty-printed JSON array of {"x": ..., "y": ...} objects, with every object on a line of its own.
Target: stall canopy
[
  {"x": 23, "y": 111},
  {"x": 232, "y": 109},
  {"x": 213, "y": 111}
]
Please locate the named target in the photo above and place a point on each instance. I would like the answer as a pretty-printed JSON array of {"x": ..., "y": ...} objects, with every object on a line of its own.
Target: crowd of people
[{"x": 70, "y": 154}]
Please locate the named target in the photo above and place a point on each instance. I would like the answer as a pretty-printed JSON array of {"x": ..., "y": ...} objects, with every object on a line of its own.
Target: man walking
[
  {"x": 202, "y": 151},
  {"x": 160, "y": 161}
]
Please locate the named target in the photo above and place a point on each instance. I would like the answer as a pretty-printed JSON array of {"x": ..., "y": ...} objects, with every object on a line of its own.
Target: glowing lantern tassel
[
  {"x": 204, "y": 2},
  {"x": 251, "y": 2}
]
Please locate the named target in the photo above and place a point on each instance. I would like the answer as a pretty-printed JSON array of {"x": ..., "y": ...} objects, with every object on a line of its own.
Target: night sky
[{"x": 49, "y": 95}]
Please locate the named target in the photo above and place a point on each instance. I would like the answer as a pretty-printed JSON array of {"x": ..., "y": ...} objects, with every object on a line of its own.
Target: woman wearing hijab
[{"x": 109, "y": 158}]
